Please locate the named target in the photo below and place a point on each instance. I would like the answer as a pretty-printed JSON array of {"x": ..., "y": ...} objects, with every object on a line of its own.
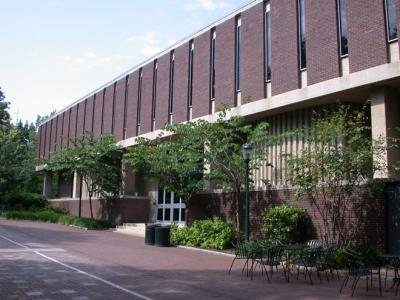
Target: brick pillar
[{"x": 385, "y": 118}]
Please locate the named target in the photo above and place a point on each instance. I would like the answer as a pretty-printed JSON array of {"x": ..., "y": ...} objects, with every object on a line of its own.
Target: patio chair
[
  {"x": 326, "y": 262},
  {"x": 272, "y": 257},
  {"x": 241, "y": 253},
  {"x": 359, "y": 267},
  {"x": 309, "y": 259},
  {"x": 312, "y": 244}
]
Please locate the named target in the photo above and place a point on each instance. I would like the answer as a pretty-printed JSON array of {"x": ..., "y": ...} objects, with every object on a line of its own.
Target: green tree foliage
[
  {"x": 17, "y": 155},
  {"x": 339, "y": 157},
  {"x": 195, "y": 153},
  {"x": 95, "y": 160}
]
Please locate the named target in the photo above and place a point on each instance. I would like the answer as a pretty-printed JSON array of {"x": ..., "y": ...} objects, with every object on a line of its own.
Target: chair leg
[
  {"x": 355, "y": 285},
  {"x": 251, "y": 269},
  {"x": 380, "y": 283},
  {"x": 229, "y": 272},
  {"x": 244, "y": 266},
  {"x": 344, "y": 283},
  {"x": 266, "y": 273},
  {"x": 367, "y": 282},
  {"x": 319, "y": 275}
]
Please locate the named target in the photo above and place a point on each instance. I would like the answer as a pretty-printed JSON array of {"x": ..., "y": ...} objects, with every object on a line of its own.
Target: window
[
  {"x": 302, "y": 35},
  {"x": 237, "y": 63},
  {"x": 391, "y": 20},
  {"x": 125, "y": 105},
  {"x": 154, "y": 94},
  {"x": 343, "y": 42},
  {"x": 190, "y": 74},
  {"x": 171, "y": 84},
  {"x": 139, "y": 104},
  {"x": 213, "y": 45},
  {"x": 267, "y": 43}
]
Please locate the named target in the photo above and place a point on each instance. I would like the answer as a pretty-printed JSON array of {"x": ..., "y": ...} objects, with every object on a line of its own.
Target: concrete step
[{"x": 137, "y": 229}]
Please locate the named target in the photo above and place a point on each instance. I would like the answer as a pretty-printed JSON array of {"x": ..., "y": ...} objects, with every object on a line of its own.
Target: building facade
[{"x": 271, "y": 60}]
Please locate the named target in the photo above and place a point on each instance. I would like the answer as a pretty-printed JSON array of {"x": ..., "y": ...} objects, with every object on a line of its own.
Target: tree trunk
[
  {"x": 90, "y": 203},
  {"x": 239, "y": 208},
  {"x": 80, "y": 197}
]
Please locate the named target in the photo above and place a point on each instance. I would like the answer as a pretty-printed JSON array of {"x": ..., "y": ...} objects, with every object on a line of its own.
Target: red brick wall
[
  {"x": 98, "y": 111},
  {"x": 53, "y": 124},
  {"x": 127, "y": 210},
  {"x": 108, "y": 109},
  {"x": 81, "y": 117},
  {"x": 181, "y": 83},
  {"x": 225, "y": 64},
  {"x": 89, "y": 114},
  {"x": 131, "y": 109},
  {"x": 147, "y": 91},
  {"x": 252, "y": 46},
  {"x": 39, "y": 149},
  {"x": 322, "y": 41},
  {"x": 59, "y": 131},
  {"x": 367, "y": 34},
  {"x": 72, "y": 124},
  {"x": 66, "y": 127},
  {"x": 119, "y": 109},
  {"x": 48, "y": 137},
  {"x": 368, "y": 219},
  {"x": 162, "y": 91},
  {"x": 201, "y": 75},
  {"x": 285, "y": 66}
]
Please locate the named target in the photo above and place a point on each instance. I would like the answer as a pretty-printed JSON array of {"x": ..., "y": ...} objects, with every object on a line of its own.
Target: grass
[{"x": 59, "y": 218}]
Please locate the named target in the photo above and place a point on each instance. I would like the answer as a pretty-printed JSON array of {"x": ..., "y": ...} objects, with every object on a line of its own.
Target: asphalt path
[{"x": 50, "y": 261}]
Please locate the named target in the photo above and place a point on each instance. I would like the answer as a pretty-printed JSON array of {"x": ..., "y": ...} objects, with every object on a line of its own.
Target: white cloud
[
  {"x": 149, "y": 43},
  {"x": 91, "y": 59},
  {"x": 204, "y": 4}
]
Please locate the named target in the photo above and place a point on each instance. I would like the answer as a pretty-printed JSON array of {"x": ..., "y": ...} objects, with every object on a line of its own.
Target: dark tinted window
[
  {"x": 344, "y": 50},
  {"x": 238, "y": 42},
  {"x": 391, "y": 19},
  {"x": 267, "y": 45},
  {"x": 302, "y": 35}
]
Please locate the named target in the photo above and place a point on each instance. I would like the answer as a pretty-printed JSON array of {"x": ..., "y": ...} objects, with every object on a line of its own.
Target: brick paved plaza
[{"x": 47, "y": 261}]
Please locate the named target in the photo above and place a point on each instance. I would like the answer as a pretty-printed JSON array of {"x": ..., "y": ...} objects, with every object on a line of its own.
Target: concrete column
[
  {"x": 47, "y": 184},
  {"x": 128, "y": 186},
  {"x": 385, "y": 119},
  {"x": 76, "y": 186}
]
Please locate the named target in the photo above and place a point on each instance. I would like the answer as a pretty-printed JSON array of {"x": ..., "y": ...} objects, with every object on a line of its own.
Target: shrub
[
  {"x": 342, "y": 261},
  {"x": 53, "y": 217},
  {"x": 286, "y": 224},
  {"x": 21, "y": 200},
  {"x": 212, "y": 234}
]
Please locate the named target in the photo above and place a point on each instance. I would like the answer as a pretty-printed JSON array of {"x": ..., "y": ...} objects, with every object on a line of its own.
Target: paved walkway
[{"x": 47, "y": 261}]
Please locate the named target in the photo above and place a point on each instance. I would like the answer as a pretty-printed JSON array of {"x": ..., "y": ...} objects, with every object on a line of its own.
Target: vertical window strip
[
  {"x": 139, "y": 103},
  {"x": 267, "y": 43},
  {"x": 190, "y": 74},
  {"x": 213, "y": 49},
  {"x": 154, "y": 94},
  {"x": 125, "y": 106},
  {"x": 171, "y": 83},
  {"x": 343, "y": 31},
  {"x": 391, "y": 20},
  {"x": 113, "y": 108},
  {"x": 302, "y": 35},
  {"x": 238, "y": 53}
]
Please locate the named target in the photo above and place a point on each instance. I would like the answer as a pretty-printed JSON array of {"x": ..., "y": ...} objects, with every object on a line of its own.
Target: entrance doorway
[{"x": 170, "y": 209}]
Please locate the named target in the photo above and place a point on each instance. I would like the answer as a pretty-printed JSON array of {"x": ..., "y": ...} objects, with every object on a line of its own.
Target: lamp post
[{"x": 246, "y": 156}]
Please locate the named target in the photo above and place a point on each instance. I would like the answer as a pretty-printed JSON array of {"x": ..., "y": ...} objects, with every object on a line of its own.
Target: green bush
[
  {"x": 55, "y": 208},
  {"x": 21, "y": 200},
  {"x": 342, "y": 261},
  {"x": 53, "y": 217},
  {"x": 286, "y": 224},
  {"x": 212, "y": 234}
]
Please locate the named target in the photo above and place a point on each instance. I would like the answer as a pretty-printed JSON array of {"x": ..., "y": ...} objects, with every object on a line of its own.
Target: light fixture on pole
[{"x": 247, "y": 149}]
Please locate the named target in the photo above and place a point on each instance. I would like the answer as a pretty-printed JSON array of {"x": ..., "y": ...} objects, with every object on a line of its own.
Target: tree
[
  {"x": 211, "y": 150},
  {"x": 4, "y": 106},
  {"x": 338, "y": 159},
  {"x": 95, "y": 161}
]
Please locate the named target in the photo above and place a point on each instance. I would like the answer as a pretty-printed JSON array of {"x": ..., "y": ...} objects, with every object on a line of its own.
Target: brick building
[{"x": 286, "y": 56}]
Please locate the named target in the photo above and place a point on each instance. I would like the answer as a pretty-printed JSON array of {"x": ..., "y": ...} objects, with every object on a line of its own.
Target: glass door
[{"x": 170, "y": 209}]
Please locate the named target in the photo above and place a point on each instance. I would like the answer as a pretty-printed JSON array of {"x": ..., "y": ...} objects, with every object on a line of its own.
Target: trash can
[
  {"x": 149, "y": 234},
  {"x": 161, "y": 238}
]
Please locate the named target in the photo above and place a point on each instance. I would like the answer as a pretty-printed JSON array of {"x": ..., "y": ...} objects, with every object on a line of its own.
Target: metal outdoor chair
[
  {"x": 357, "y": 268},
  {"x": 309, "y": 259},
  {"x": 241, "y": 253},
  {"x": 314, "y": 244},
  {"x": 272, "y": 257}
]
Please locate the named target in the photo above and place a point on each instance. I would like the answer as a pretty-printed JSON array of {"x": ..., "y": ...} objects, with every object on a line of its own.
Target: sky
[{"x": 54, "y": 52}]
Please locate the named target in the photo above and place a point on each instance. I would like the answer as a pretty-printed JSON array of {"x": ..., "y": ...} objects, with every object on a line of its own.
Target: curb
[{"x": 207, "y": 251}]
